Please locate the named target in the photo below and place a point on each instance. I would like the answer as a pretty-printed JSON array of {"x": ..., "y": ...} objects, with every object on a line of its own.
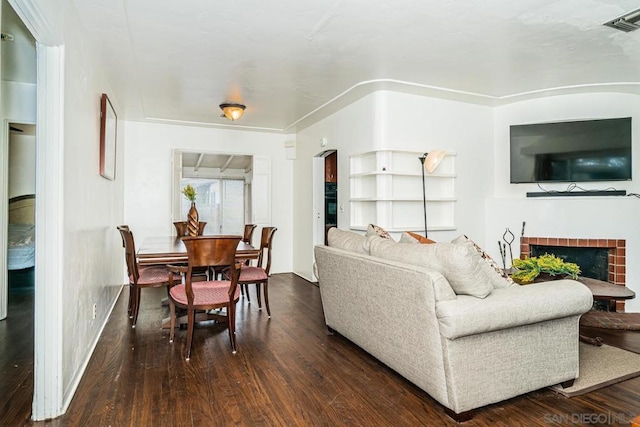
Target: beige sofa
[{"x": 465, "y": 351}]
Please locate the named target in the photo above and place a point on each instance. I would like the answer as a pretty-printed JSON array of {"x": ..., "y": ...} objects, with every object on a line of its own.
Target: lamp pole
[{"x": 424, "y": 192}]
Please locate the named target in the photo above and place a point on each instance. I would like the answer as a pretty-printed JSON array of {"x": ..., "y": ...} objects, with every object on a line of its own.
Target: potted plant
[
  {"x": 190, "y": 193},
  {"x": 192, "y": 217},
  {"x": 545, "y": 267}
]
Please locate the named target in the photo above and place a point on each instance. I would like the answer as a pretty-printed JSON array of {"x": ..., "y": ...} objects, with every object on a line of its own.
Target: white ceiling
[{"x": 290, "y": 61}]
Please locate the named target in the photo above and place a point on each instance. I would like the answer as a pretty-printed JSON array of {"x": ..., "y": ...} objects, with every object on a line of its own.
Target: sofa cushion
[
  {"x": 409, "y": 237},
  {"x": 460, "y": 264},
  {"x": 374, "y": 230},
  {"x": 512, "y": 307},
  {"x": 347, "y": 240},
  {"x": 499, "y": 280}
]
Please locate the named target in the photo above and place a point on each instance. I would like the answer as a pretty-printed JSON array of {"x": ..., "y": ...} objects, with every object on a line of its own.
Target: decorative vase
[{"x": 192, "y": 220}]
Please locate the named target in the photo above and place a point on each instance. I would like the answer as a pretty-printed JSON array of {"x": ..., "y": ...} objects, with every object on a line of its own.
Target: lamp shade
[
  {"x": 433, "y": 159},
  {"x": 232, "y": 111}
]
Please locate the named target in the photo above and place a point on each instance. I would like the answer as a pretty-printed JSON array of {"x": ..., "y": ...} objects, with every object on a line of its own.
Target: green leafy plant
[
  {"x": 529, "y": 268},
  {"x": 189, "y": 192}
]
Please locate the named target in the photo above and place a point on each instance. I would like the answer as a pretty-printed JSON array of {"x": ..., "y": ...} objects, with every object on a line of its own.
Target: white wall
[
  {"x": 148, "y": 174},
  {"x": 19, "y": 102},
  {"x": 93, "y": 257},
  {"x": 386, "y": 119},
  {"x": 587, "y": 217},
  {"x": 22, "y": 164}
]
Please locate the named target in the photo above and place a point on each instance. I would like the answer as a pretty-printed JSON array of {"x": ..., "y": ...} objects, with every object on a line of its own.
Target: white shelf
[{"x": 386, "y": 189}]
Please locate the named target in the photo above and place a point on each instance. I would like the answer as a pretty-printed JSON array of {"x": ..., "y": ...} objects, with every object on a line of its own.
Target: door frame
[
  {"x": 48, "y": 391},
  {"x": 318, "y": 220}
]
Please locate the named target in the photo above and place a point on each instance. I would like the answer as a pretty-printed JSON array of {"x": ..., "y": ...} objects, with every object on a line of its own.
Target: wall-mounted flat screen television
[{"x": 576, "y": 151}]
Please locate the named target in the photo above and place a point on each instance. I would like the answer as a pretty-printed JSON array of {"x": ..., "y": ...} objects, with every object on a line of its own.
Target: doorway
[{"x": 325, "y": 195}]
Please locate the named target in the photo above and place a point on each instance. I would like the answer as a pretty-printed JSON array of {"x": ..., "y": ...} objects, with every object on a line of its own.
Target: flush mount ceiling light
[
  {"x": 627, "y": 22},
  {"x": 232, "y": 111}
]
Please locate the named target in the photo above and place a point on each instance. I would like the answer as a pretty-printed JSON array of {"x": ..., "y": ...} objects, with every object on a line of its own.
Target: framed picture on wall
[{"x": 108, "y": 138}]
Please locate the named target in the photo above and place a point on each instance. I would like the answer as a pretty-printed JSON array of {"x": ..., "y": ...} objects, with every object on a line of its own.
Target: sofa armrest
[{"x": 512, "y": 307}]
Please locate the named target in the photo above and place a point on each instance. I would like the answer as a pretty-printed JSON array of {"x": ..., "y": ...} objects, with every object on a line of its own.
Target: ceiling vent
[{"x": 627, "y": 22}]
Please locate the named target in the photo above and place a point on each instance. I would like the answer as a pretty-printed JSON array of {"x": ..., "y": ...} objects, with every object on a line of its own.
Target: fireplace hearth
[{"x": 602, "y": 259}]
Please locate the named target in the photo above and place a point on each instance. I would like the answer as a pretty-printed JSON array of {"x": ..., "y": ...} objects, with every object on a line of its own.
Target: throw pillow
[
  {"x": 460, "y": 264},
  {"x": 373, "y": 230},
  {"x": 347, "y": 240},
  {"x": 499, "y": 280},
  {"x": 409, "y": 237}
]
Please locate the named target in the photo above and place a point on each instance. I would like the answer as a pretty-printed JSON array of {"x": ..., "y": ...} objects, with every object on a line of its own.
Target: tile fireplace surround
[{"x": 616, "y": 247}]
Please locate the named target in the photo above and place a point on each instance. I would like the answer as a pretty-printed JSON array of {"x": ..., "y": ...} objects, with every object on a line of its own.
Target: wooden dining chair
[
  {"x": 248, "y": 232},
  {"x": 259, "y": 274},
  {"x": 139, "y": 277},
  {"x": 182, "y": 230},
  {"x": 203, "y": 251},
  {"x": 247, "y": 238}
]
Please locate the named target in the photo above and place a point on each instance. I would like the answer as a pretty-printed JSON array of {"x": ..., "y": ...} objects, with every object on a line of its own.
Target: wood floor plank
[{"x": 288, "y": 371}]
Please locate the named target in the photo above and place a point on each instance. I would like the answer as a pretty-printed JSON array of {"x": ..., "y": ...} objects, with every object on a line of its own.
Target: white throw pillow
[
  {"x": 347, "y": 240},
  {"x": 500, "y": 279},
  {"x": 460, "y": 264}
]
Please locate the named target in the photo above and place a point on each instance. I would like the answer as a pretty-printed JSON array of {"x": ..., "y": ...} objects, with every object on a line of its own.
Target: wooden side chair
[
  {"x": 205, "y": 251},
  {"x": 140, "y": 277},
  {"x": 181, "y": 228},
  {"x": 259, "y": 274},
  {"x": 247, "y": 238},
  {"x": 248, "y": 232}
]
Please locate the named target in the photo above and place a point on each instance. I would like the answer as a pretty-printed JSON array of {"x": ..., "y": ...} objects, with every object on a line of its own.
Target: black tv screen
[{"x": 577, "y": 151}]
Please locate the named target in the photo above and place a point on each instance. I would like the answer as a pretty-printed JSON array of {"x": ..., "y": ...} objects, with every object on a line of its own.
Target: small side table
[
  {"x": 607, "y": 291},
  {"x": 604, "y": 291}
]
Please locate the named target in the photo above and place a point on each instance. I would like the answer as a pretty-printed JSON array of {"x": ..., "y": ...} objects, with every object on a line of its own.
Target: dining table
[
  {"x": 171, "y": 249},
  {"x": 156, "y": 250}
]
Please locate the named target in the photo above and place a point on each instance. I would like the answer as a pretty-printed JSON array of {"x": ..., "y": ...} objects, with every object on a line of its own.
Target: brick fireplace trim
[{"x": 617, "y": 252}]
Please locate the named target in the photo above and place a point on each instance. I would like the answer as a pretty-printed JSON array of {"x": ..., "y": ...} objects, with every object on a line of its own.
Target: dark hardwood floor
[{"x": 288, "y": 371}]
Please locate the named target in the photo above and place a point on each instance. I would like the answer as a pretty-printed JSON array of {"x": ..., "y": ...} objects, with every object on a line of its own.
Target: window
[{"x": 220, "y": 202}]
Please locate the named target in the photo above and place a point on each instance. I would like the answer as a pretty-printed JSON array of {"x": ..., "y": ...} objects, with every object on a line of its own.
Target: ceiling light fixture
[{"x": 232, "y": 111}]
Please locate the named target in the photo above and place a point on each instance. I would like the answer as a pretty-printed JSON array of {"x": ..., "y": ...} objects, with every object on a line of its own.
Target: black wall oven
[{"x": 330, "y": 204}]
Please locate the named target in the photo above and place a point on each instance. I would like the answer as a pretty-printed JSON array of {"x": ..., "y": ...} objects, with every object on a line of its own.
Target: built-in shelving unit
[{"x": 386, "y": 190}]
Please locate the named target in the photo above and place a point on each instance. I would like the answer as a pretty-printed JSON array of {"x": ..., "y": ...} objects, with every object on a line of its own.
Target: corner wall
[{"x": 386, "y": 119}]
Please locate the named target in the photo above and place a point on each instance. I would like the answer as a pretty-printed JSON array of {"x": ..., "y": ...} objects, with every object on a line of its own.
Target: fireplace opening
[
  {"x": 601, "y": 259},
  {"x": 593, "y": 262}
]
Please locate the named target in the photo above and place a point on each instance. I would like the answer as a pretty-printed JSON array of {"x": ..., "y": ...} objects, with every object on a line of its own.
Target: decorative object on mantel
[
  {"x": 192, "y": 217},
  {"x": 508, "y": 238},
  {"x": 543, "y": 268},
  {"x": 430, "y": 162}
]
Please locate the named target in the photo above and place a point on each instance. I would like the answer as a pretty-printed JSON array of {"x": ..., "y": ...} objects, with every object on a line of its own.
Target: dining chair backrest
[
  {"x": 182, "y": 229},
  {"x": 248, "y": 232},
  {"x": 129, "y": 252},
  {"x": 266, "y": 241},
  {"x": 211, "y": 251}
]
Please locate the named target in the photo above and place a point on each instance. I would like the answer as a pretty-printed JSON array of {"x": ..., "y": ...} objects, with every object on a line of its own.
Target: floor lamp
[{"x": 430, "y": 162}]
